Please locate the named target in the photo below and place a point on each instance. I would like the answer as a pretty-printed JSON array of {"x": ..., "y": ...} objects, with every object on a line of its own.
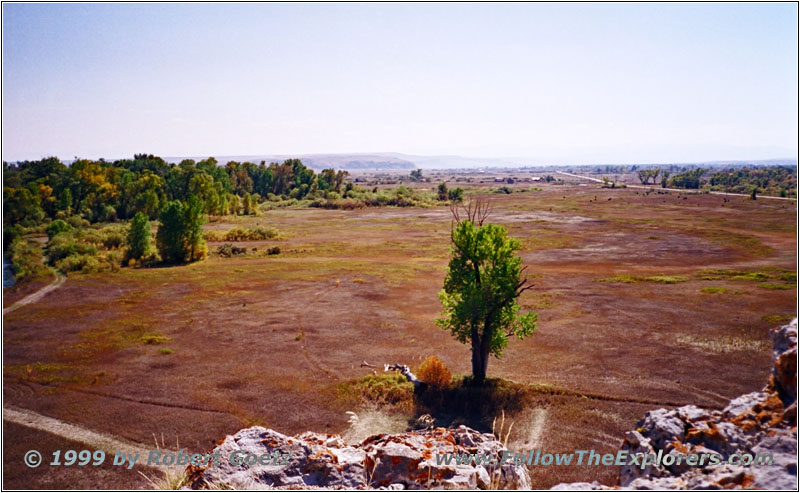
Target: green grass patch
[
  {"x": 165, "y": 350},
  {"x": 666, "y": 279},
  {"x": 153, "y": 339},
  {"x": 629, "y": 279},
  {"x": 383, "y": 389},
  {"x": 623, "y": 278},
  {"x": 778, "y": 318},
  {"x": 777, "y": 287},
  {"x": 765, "y": 274},
  {"x": 714, "y": 290}
]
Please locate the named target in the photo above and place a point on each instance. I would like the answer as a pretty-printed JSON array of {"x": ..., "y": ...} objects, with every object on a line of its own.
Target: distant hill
[
  {"x": 353, "y": 162},
  {"x": 395, "y": 161}
]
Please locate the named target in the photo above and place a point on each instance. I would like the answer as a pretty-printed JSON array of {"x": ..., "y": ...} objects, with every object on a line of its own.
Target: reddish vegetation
[{"x": 262, "y": 339}]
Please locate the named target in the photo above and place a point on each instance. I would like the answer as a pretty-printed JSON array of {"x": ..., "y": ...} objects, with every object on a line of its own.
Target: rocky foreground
[
  {"x": 394, "y": 462},
  {"x": 757, "y": 423}
]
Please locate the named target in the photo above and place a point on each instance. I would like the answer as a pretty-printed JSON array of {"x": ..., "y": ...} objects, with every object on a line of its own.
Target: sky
[{"x": 553, "y": 83}]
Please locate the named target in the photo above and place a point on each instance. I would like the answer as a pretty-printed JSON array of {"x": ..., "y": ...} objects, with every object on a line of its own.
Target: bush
[
  {"x": 433, "y": 372},
  {"x": 11, "y": 234},
  {"x": 64, "y": 245},
  {"x": 274, "y": 250},
  {"x": 251, "y": 234},
  {"x": 255, "y": 233},
  {"x": 26, "y": 259},
  {"x": 77, "y": 222},
  {"x": 109, "y": 237},
  {"x": 90, "y": 263},
  {"x": 57, "y": 226},
  {"x": 456, "y": 195},
  {"x": 228, "y": 250}
]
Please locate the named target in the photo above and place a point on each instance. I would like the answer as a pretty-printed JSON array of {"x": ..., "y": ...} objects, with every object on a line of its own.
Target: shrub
[
  {"x": 254, "y": 233},
  {"x": 274, "y": 250},
  {"x": 456, "y": 195},
  {"x": 64, "y": 244},
  {"x": 10, "y": 234},
  {"x": 433, "y": 372},
  {"x": 109, "y": 261},
  {"x": 77, "y": 222},
  {"x": 57, "y": 226},
  {"x": 228, "y": 250},
  {"x": 26, "y": 258}
]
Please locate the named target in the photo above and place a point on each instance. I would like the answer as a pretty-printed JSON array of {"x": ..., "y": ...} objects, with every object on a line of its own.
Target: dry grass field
[{"x": 644, "y": 300}]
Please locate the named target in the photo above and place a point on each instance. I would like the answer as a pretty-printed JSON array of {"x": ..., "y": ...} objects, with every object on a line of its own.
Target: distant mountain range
[
  {"x": 397, "y": 161},
  {"x": 351, "y": 162},
  {"x": 372, "y": 161}
]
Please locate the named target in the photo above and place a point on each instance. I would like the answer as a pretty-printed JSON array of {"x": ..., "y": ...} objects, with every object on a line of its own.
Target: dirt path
[
  {"x": 93, "y": 439},
  {"x": 681, "y": 190},
  {"x": 313, "y": 361},
  {"x": 34, "y": 297}
]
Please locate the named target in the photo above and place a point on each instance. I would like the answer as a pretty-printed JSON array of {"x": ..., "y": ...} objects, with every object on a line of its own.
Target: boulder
[
  {"x": 758, "y": 423},
  {"x": 385, "y": 461}
]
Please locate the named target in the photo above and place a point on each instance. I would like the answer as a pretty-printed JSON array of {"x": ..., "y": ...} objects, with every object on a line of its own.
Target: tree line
[{"x": 105, "y": 191}]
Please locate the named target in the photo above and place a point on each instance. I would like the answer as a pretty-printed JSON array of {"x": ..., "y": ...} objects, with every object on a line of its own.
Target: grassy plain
[{"x": 644, "y": 301}]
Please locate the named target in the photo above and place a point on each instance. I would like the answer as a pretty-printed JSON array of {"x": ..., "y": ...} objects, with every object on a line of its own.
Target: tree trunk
[{"x": 480, "y": 361}]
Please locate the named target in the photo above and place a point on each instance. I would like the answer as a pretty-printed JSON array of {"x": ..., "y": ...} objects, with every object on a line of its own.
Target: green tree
[
  {"x": 193, "y": 229},
  {"x": 416, "y": 174},
  {"x": 483, "y": 282},
  {"x": 55, "y": 227},
  {"x": 170, "y": 238},
  {"x": 442, "y": 191},
  {"x": 456, "y": 195},
  {"x": 138, "y": 239},
  {"x": 65, "y": 201}
]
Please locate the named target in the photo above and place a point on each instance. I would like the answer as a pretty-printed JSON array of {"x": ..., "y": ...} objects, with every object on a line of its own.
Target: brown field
[{"x": 644, "y": 301}]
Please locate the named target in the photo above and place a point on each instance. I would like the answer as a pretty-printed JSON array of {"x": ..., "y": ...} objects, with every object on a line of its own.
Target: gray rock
[
  {"x": 593, "y": 486},
  {"x": 662, "y": 427},
  {"x": 738, "y": 429},
  {"x": 743, "y": 403},
  {"x": 401, "y": 461},
  {"x": 692, "y": 413},
  {"x": 635, "y": 443}
]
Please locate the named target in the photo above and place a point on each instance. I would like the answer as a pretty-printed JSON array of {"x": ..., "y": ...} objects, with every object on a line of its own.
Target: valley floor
[{"x": 644, "y": 300}]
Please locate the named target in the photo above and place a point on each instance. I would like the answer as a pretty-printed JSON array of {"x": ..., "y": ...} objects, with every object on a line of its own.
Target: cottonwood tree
[
  {"x": 180, "y": 237},
  {"x": 138, "y": 239},
  {"x": 484, "y": 279}
]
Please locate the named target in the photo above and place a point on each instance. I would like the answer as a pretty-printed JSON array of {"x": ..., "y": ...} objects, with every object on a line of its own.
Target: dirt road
[
  {"x": 34, "y": 297},
  {"x": 682, "y": 190}
]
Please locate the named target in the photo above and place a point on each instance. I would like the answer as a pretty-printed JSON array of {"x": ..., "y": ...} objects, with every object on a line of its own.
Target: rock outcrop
[
  {"x": 313, "y": 460},
  {"x": 762, "y": 422}
]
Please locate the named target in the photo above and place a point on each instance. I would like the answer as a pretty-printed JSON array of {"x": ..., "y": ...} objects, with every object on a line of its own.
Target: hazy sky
[{"x": 553, "y": 82}]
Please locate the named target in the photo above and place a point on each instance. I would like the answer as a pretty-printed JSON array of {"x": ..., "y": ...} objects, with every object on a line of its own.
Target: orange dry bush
[{"x": 433, "y": 372}]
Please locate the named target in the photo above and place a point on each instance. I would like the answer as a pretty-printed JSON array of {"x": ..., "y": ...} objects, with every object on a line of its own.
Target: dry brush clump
[
  {"x": 255, "y": 233},
  {"x": 433, "y": 372}
]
